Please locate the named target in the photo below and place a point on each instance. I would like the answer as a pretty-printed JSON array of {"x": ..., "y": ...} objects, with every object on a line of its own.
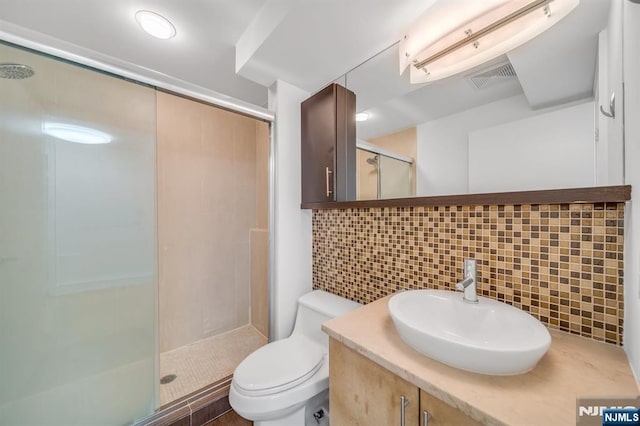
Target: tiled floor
[
  {"x": 206, "y": 361},
  {"x": 230, "y": 419}
]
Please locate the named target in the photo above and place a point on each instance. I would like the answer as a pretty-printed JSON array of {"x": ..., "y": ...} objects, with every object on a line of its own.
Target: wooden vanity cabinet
[
  {"x": 363, "y": 393},
  {"x": 442, "y": 414},
  {"x": 329, "y": 145}
]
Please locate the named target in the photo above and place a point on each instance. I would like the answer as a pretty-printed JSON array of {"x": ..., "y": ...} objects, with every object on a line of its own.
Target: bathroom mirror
[{"x": 529, "y": 120}]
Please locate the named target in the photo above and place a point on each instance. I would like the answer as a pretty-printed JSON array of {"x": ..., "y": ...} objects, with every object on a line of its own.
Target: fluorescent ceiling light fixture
[
  {"x": 76, "y": 134},
  {"x": 362, "y": 116},
  {"x": 155, "y": 24},
  {"x": 437, "y": 46}
]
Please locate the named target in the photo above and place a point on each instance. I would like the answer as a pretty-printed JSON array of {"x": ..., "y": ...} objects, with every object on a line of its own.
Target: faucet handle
[{"x": 469, "y": 267}]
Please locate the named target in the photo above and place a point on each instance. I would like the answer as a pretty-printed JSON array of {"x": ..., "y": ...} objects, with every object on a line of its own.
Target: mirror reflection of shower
[{"x": 390, "y": 177}]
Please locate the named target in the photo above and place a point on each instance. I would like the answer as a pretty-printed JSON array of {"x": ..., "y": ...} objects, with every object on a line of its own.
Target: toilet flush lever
[{"x": 318, "y": 415}]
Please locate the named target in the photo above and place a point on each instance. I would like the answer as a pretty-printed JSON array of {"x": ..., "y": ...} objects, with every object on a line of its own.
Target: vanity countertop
[{"x": 573, "y": 367}]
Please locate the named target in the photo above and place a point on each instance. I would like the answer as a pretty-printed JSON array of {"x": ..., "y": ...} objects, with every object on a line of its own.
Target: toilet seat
[{"x": 278, "y": 366}]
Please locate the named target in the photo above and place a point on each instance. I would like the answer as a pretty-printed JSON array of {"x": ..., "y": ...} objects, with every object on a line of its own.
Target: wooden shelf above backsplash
[{"x": 598, "y": 194}]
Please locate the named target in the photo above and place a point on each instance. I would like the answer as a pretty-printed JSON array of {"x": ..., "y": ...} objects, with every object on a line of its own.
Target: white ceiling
[
  {"x": 559, "y": 65},
  {"x": 304, "y": 42},
  {"x": 554, "y": 68},
  {"x": 203, "y": 51},
  {"x": 308, "y": 43}
]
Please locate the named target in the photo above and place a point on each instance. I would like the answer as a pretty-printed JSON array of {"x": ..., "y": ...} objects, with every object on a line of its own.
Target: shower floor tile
[{"x": 206, "y": 361}]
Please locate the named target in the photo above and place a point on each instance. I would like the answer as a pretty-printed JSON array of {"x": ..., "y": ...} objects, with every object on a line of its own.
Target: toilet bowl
[{"x": 280, "y": 382}]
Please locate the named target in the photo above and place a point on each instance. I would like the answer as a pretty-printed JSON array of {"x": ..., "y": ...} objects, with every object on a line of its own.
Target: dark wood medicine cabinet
[{"x": 329, "y": 145}]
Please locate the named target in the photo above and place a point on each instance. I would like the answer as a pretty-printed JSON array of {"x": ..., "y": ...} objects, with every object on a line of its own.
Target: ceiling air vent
[{"x": 488, "y": 77}]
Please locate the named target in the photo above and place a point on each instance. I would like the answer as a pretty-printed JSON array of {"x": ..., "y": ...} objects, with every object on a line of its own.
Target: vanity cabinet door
[
  {"x": 363, "y": 393},
  {"x": 441, "y": 414}
]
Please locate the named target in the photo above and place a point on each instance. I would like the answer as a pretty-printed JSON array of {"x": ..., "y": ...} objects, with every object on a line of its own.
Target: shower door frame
[
  {"x": 42, "y": 44},
  {"x": 381, "y": 152}
]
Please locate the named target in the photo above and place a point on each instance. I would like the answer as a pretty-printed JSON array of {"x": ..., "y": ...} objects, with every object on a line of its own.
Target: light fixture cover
[
  {"x": 362, "y": 116},
  {"x": 155, "y": 24},
  {"x": 432, "y": 36},
  {"x": 76, "y": 134}
]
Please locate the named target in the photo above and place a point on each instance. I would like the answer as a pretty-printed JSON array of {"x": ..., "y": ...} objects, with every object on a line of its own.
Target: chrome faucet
[{"x": 469, "y": 284}]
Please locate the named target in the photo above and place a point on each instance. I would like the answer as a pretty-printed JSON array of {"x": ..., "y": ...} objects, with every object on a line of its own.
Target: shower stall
[
  {"x": 134, "y": 235},
  {"x": 381, "y": 173},
  {"x": 212, "y": 241}
]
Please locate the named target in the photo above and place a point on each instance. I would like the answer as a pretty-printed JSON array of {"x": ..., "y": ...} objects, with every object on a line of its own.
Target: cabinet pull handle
[
  {"x": 403, "y": 403},
  {"x": 327, "y": 173},
  {"x": 425, "y": 418}
]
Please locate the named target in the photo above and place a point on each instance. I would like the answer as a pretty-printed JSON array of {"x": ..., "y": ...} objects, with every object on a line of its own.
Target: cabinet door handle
[
  {"x": 327, "y": 174},
  {"x": 425, "y": 418},
  {"x": 403, "y": 403}
]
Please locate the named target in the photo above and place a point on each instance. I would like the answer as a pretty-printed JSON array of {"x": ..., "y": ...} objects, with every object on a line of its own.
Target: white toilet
[{"x": 287, "y": 381}]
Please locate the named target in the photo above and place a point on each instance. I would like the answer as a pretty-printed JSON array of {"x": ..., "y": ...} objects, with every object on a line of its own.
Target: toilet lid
[{"x": 278, "y": 366}]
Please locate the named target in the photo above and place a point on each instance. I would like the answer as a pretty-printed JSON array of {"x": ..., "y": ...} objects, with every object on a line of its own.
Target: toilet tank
[{"x": 317, "y": 307}]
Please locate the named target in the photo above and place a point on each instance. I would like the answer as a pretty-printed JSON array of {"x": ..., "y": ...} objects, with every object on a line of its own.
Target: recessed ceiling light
[
  {"x": 362, "y": 116},
  {"x": 77, "y": 134},
  {"x": 155, "y": 24}
]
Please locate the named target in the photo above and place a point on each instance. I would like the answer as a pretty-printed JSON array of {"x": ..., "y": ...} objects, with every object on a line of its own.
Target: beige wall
[
  {"x": 367, "y": 181},
  {"x": 262, "y": 174},
  {"x": 259, "y": 279},
  {"x": 402, "y": 142},
  {"x": 207, "y": 206},
  {"x": 260, "y": 235}
]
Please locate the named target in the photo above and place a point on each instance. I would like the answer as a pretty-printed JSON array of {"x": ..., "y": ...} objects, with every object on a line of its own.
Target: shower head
[
  {"x": 15, "y": 71},
  {"x": 373, "y": 161}
]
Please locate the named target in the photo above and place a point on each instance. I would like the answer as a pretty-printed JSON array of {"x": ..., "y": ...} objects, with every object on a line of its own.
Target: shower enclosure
[
  {"x": 382, "y": 173},
  {"x": 133, "y": 244},
  {"x": 212, "y": 235}
]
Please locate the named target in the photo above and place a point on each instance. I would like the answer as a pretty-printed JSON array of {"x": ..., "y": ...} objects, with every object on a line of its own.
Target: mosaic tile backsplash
[{"x": 563, "y": 263}]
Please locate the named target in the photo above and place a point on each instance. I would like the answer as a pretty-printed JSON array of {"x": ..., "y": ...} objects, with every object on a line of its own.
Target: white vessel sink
[{"x": 489, "y": 337}]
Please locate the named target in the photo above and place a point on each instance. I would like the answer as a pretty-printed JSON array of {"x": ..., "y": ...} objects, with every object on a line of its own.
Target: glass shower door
[
  {"x": 77, "y": 245},
  {"x": 380, "y": 176},
  {"x": 395, "y": 178}
]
